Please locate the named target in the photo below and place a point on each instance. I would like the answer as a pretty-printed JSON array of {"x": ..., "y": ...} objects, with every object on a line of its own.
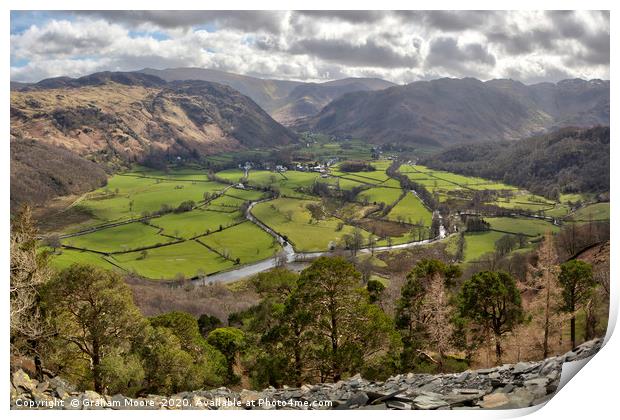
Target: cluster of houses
[{"x": 322, "y": 168}]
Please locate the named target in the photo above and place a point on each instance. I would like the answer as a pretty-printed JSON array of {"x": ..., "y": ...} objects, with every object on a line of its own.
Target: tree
[
  {"x": 93, "y": 311},
  {"x": 423, "y": 311},
  {"x": 53, "y": 241},
  {"x": 577, "y": 284},
  {"x": 505, "y": 244},
  {"x": 275, "y": 283},
  {"x": 281, "y": 258},
  {"x": 279, "y": 329},
  {"x": 372, "y": 243},
  {"x": 492, "y": 300},
  {"x": 168, "y": 368},
  {"x": 356, "y": 240},
  {"x": 207, "y": 363},
  {"x": 207, "y": 323},
  {"x": 229, "y": 341},
  {"x": 375, "y": 289},
  {"x": 347, "y": 331},
  {"x": 544, "y": 305},
  {"x": 29, "y": 273}
]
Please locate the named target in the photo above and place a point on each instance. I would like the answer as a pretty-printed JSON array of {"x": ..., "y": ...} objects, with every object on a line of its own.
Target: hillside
[
  {"x": 113, "y": 118},
  {"x": 567, "y": 160},
  {"x": 453, "y": 111},
  {"x": 265, "y": 92},
  {"x": 285, "y": 100},
  {"x": 41, "y": 171},
  {"x": 309, "y": 98}
]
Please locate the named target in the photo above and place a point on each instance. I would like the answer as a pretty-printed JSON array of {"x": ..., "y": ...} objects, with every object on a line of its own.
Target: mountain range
[
  {"x": 453, "y": 111},
  {"x": 115, "y": 118},
  {"x": 285, "y": 100},
  {"x": 128, "y": 114}
]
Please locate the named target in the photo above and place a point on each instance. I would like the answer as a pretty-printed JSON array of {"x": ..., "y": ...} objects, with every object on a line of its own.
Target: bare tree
[
  {"x": 53, "y": 241},
  {"x": 281, "y": 259},
  {"x": 543, "y": 306},
  {"x": 29, "y": 272}
]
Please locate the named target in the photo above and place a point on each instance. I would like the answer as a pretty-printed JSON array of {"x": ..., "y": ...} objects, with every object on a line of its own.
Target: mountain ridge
[
  {"x": 447, "y": 111},
  {"x": 113, "y": 119},
  {"x": 285, "y": 100}
]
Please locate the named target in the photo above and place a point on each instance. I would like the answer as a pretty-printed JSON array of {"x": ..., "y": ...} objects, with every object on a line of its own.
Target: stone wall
[{"x": 518, "y": 385}]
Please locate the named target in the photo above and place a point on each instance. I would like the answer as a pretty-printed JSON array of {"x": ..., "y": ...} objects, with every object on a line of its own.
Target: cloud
[
  {"x": 453, "y": 21},
  {"x": 260, "y": 20},
  {"x": 368, "y": 53},
  {"x": 351, "y": 16},
  {"x": 466, "y": 59},
  {"x": 400, "y": 46}
]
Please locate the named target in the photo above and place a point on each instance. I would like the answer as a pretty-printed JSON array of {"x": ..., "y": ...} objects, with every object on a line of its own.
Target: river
[{"x": 293, "y": 257}]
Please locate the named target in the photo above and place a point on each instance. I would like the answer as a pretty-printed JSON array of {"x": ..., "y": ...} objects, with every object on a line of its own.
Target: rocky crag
[{"x": 519, "y": 385}]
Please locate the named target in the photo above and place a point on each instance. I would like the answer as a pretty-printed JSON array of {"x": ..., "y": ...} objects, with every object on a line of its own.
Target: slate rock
[
  {"x": 426, "y": 402},
  {"x": 494, "y": 401},
  {"x": 23, "y": 381}
]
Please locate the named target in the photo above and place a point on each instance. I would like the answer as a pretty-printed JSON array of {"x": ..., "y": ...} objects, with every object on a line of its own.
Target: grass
[
  {"x": 287, "y": 183},
  {"x": 68, "y": 257},
  {"x": 380, "y": 195},
  {"x": 247, "y": 195},
  {"x": 233, "y": 175},
  {"x": 559, "y": 210},
  {"x": 573, "y": 198},
  {"x": 411, "y": 208},
  {"x": 195, "y": 222},
  {"x": 479, "y": 243},
  {"x": 127, "y": 197},
  {"x": 187, "y": 258},
  {"x": 594, "y": 212},
  {"x": 227, "y": 201},
  {"x": 120, "y": 238},
  {"x": 235, "y": 240},
  {"x": 304, "y": 236},
  {"x": 525, "y": 201},
  {"x": 527, "y": 226}
]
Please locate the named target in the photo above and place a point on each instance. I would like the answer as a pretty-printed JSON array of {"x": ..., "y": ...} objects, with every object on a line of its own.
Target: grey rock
[
  {"x": 523, "y": 367},
  {"x": 426, "y": 402},
  {"x": 381, "y": 406},
  {"x": 494, "y": 401},
  {"x": 23, "y": 381}
]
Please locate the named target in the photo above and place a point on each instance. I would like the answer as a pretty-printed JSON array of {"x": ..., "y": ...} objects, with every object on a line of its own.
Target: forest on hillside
[{"x": 567, "y": 160}]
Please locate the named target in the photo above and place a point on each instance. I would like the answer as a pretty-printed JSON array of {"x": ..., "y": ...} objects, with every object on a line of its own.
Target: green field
[
  {"x": 380, "y": 195},
  {"x": 187, "y": 258},
  {"x": 594, "y": 212},
  {"x": 410, "y": 209},
  {"x": 127, "y": 197},
  {"x": 215, "y": 233},
  {"x": 232, "y": 175},
  {"x": 195, "y": 222},
  {"x": 121, "y": 238},
  {"x": 527, "y": 226},
  {"x": 245, "y": 241},
  {"x": 479, "y": 243},
  {"x": 290, "y": 217},
  {"x": 69, "y": 256}
]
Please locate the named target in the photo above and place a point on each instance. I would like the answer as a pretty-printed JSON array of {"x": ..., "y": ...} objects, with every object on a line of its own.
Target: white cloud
[{"x": 398, "y": 46}]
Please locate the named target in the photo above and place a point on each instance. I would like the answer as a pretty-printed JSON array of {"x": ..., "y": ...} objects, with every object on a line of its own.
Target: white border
[{"x": 592, "y": 394}]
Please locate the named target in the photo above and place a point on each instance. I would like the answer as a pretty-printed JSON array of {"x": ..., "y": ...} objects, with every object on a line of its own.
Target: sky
[{"x": 399, "y": 46}]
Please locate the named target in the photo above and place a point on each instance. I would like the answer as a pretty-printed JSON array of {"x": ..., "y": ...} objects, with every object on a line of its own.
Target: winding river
[{"x": 293, "y": 256}]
